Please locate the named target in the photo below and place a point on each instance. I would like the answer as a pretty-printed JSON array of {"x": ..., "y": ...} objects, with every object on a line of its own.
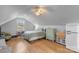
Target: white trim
[{"x": 18, "y": 16}]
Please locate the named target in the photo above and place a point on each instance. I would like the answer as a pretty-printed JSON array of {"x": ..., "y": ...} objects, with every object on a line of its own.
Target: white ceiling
[{"x": 57, "y": 14}]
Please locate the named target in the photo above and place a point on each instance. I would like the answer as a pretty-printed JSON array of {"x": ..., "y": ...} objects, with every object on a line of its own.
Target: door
[{"x": 71, "y": 37}]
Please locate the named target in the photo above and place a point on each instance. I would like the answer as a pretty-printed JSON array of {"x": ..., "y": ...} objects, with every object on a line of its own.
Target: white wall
[
  {"x": 11, "y": 26},
  {"x": 58, "y": 27}
]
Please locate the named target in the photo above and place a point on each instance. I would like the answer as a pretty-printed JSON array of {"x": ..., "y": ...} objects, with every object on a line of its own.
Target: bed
[{"x": 33, "y": 35}]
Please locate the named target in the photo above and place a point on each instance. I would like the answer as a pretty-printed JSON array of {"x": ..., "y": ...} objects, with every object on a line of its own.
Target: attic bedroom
[{"x": 39, "y": 28}]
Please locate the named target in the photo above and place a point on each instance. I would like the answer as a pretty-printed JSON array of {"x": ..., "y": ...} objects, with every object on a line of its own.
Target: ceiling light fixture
[{"x": 39, "y": 10}]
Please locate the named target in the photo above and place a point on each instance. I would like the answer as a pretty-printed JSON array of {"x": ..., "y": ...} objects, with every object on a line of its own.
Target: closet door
[
  {"x": 71, "y": 37},
  {"x": 72, "y": 27},
  {"x": 68, "y": 36},
  {"x": 71, "y": 40}
]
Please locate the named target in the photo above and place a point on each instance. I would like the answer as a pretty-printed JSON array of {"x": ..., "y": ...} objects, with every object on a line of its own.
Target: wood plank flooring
[{"x": 19, "y": 45}]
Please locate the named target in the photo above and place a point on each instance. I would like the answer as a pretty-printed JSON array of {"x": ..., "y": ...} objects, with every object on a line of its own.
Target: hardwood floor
[{"x": 20, "y": 45}]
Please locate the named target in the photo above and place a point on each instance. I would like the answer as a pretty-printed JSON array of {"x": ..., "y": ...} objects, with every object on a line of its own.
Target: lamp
[{"x": 39, "y": 10}]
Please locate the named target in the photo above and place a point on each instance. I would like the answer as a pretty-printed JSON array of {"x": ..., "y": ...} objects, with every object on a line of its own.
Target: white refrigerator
[{"x": 72, "y": 37}]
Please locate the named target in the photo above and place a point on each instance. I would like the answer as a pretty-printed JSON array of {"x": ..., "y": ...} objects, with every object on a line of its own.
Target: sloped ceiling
[{"x": 56, "y": 15}]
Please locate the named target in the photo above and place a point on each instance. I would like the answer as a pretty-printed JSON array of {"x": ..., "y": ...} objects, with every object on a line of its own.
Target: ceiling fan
[{"x": 39, "y": 10}]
